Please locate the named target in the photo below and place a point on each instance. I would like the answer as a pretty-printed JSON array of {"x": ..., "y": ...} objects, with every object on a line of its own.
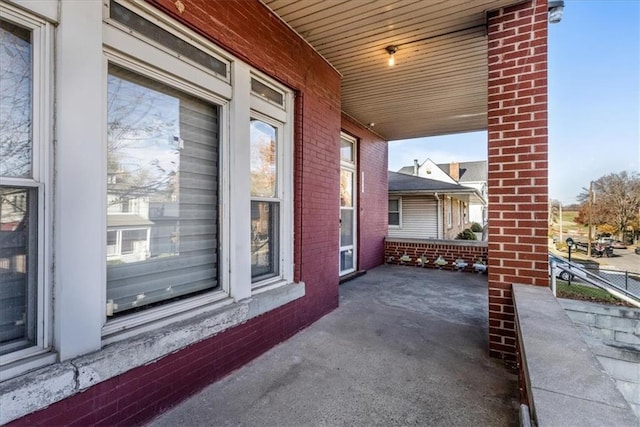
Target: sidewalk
[{"x": 407, "y": 346}]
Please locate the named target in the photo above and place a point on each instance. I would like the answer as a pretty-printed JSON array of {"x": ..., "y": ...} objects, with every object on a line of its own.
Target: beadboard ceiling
[{"x": 439, "y": 83}]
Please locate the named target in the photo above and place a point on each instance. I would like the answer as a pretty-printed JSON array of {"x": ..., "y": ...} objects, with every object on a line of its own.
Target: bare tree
[
  {"x": 616, "y": 200},
  {"x": 142, "y": 123},
  {"x": 15, "y": 101}
]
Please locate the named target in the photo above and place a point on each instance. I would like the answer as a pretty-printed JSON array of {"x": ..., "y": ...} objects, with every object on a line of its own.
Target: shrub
[
  {"x": 466, "y": 234},
  {"x": 476, "y": 228}
]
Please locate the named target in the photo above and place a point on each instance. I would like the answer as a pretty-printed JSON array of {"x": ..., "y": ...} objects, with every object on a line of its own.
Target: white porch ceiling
[{"x": 439, "y": 83}]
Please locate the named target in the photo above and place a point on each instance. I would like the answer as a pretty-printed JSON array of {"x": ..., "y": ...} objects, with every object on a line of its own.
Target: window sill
[
  {"x": 34, "y": 361},
  {"x": 40, "y": 388}
]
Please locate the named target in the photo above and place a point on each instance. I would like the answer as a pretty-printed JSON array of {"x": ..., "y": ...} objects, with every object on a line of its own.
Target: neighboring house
[
  {"x": 468, "y": 174},
  {"x": 427, "y": 169},
  {"x": 252, "y": 139},
  {"x": 423, "y": 208},
  {"x": 474, "y": 175}
]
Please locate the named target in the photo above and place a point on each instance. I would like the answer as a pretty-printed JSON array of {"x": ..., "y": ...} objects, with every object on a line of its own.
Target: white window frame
[
  {"x": 40, "y": 354},
  {"x": 352, "y": 167},
  {"x": 120, "y": 48},
  {"x": 115, "y": 329},
  {"x": 449, "y": 210},
  {"x": 399, "y": 199},
  {"x": 282, "y": 119}
]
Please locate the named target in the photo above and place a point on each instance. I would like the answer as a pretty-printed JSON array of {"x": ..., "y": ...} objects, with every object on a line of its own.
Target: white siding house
[
  {"x": 419, "y": 218},
  {"x": 423, "y": 208}
]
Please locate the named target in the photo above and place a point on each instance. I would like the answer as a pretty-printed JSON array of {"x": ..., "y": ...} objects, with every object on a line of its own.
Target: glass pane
[
  {"x": 394, "y": 205},
  {"x": 265, "y": 91},
  {"x": 394, "y": 218},
  {"x": 346, "y": 227},
  {"x": 346, "y": 188},
  {"x": 162, "y": 193},
  {"x": 18, "y": 268},
  {"x": 15, "y": 101},
  {"x": 346, "y": 260},
  {"x": 165, "y": 38},
  {"x": 346, "y": 150},
  {"x": 263, "y": 159},
  {"x": 264, "y": 240}
]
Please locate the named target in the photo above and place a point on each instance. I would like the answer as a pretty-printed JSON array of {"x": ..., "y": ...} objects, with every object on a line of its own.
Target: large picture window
[{"x": 162, "y": 193}]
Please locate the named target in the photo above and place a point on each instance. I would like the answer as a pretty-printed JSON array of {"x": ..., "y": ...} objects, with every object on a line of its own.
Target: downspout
[{"x": 439, "y": 234}]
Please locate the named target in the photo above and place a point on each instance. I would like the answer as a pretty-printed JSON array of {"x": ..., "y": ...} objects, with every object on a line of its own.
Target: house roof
[
  {"x": 406, "y": 170},
  {"x": 439, "y": 83},
  {"x": 400, "y": 183},
  {"x": 469, "y": 171}
]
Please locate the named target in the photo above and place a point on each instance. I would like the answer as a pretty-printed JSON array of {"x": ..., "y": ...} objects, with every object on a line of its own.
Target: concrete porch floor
[{"x": 407, "y": 346}]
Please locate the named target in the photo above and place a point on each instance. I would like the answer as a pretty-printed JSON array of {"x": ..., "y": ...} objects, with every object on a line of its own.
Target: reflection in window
[
  {"x": 16, "y": 79},
  {"x": 264, "y": 240},
  {"x": 263, "y": 159},
  {"x": 18, "y": 268},
  {"x": 162, "y": 192},
  {"x": 266, "y": 92},
  {"x": 346, "y": 188},
  {"x": 265, "y": 203},
  {"x": 346, "y": 150}
]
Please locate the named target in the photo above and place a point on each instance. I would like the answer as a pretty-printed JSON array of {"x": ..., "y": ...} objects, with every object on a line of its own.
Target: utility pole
[
  {"x": 560, "y": 221},
  {"x": 590, "y": 206}
]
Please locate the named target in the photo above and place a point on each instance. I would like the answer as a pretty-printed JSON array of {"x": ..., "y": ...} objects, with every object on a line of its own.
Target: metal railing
[{"x": 625, "y": 292}]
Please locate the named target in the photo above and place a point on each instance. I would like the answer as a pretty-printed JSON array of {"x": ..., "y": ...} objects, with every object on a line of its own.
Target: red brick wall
[
  {"x": 449, "y": 251},
  {"x": 372, "y": 203},
  {"x": 144, "y": 392},
  {"x": 517, "y": 180},
  {"x": 248, "y": 30}
]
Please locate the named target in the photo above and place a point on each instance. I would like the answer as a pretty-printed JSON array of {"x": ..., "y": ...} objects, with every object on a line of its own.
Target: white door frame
[{"x": 349, "y": 164}]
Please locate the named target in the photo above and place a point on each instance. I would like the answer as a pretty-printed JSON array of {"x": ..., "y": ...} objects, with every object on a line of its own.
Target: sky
[{"x": 594, "y": 101}]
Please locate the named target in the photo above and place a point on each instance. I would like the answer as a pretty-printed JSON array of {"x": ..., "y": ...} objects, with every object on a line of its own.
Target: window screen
[{"x": 162, "y": 192}]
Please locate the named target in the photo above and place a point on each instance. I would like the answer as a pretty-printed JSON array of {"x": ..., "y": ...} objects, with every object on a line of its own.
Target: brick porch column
[{"x": 517, "y": 161}]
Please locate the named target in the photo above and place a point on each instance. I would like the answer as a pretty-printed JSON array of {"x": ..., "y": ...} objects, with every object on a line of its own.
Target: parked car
[
  {"x": 560, "y": 274},
  {"x": 637, "y": 251},
  {"x": 617, "y": 244}
]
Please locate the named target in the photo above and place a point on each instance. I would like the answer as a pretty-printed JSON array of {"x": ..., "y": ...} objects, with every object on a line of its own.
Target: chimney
[
  {"x": 416, "y": 166},
  {"x": 454, "y": 170}
]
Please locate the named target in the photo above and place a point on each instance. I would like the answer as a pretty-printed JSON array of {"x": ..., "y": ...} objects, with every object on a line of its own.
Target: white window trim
[
  {"x": 399, "y": 199},
  {"x": 449, "y": 212},
  {"x": 178, "y": 30},
  {"x": 17, "y": 362},
  {"x": 235, "y": 280},
  {"x": 114, "y": 329},
  {"x": 274, "y": 114}
]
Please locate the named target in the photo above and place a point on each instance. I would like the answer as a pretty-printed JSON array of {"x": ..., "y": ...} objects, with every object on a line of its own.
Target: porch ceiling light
[
  {"x": 392, "y": 52},
  {"x": 556, "y": 8}
]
